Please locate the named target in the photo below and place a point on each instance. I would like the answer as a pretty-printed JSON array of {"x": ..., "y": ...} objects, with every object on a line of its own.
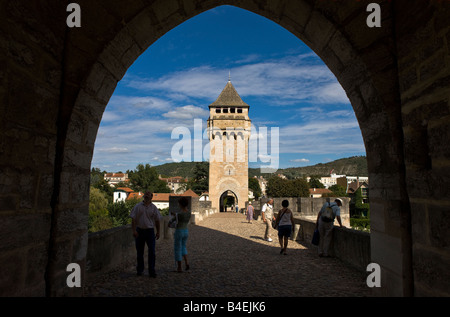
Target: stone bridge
[{"x": 228, "y": 257}]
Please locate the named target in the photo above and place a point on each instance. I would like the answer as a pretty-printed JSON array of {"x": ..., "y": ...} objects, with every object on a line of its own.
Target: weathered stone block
[
  {"x": 12, "y": 274},
  {"x": 431, "y": 275},
  {"x": 318, "y": 31},
  {"x": 20, "y": 230},
  {"x": 439, "y": 222},
  {"x": 432, "y": 67}
]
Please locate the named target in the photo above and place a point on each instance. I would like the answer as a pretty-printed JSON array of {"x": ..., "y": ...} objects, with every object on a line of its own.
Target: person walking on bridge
[
  {"x": 267, "y": 217},
  {"x": 145, "y": 219},
  {"x": 325, "y": 224},
  {"x": 249, "y": 212},
  {"x": 181, "y": 234},
  {"x": 285, "y": 221}
]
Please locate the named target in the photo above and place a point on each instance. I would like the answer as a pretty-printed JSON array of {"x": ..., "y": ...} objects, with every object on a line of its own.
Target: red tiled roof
[
  {"x": 114, "y": 175},
  {"x": 161, "y": 196},
  {"x": 135, "y": 196},
  {"x": 125, "y": 189},
  {"x": 319, "y": 191},
  {"x": 189, "y": 192}
]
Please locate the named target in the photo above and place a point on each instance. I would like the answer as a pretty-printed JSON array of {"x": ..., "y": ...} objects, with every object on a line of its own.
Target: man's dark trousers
[{"x": 145, "y": 236}]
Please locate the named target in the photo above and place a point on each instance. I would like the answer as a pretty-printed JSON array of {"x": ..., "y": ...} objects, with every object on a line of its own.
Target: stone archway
[
  {"x": 228, "y": 193},
  {"x": 57, "y": 81}
]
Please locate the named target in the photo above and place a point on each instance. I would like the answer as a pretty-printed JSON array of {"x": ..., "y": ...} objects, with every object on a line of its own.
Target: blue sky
[{"x": 175, "y": 79}]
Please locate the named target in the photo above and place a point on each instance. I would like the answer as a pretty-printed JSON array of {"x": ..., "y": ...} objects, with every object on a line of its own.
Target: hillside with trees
[{"x": 354, "y": 166}]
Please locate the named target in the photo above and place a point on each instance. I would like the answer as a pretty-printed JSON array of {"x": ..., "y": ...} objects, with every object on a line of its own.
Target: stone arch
[{"x": 378, "y": 68}]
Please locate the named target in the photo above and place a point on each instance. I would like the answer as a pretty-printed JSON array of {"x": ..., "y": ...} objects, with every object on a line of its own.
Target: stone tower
[{"x": 229, "y": 132}]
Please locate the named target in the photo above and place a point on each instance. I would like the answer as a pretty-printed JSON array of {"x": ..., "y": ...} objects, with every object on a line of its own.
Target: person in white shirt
[
  {"x": 267, "y": 217},
  {"x": 145, "y": 219},
  {"x": 325, "y": 224}
]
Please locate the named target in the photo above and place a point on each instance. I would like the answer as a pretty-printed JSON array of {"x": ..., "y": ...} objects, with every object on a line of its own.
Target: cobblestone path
[{"x": 229, "y": 258}]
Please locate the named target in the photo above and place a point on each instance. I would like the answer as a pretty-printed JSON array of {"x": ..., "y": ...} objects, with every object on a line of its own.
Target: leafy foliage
[
  {"x": 98, "y": 212},
  {"x": 279, "y": 187},
  {"x": 145, "y": 177},
  {"x": 359, "y": 212},
  {"x": 253, "y": 184},
  {"x": 338, "y": 191},
  {"x": 355, "y": 165},
  {"x": 199, "y": 183},
  {"x": 314, "y": 182}
]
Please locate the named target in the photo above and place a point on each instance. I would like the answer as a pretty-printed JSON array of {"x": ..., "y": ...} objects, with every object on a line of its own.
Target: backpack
[{"x": 328, "y": 214}]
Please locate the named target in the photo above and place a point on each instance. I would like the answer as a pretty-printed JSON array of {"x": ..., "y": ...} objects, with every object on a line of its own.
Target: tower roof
[{"x": 229, "y": 97}]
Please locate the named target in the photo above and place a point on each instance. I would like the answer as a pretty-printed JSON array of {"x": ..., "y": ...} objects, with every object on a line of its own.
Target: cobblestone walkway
[{"x": 229, "y": 258}]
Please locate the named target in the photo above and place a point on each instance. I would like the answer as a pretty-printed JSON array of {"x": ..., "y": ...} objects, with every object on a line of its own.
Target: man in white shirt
[
  {"x": 267, "y": 217},
  {"x": 145, "y": 219}
]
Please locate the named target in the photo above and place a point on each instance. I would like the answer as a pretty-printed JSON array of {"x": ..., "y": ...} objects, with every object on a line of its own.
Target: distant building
[
  {"x": 364, "y": 186},
  {"x": 204, "y": 196},
  {"x": 318, "y": 192},
  {"x": 262, "y": 183},
  {"x": 345, "y": 181},
  {"x": 328, "y": 181},
  {"x": 175, "y": 184},
  {"x": 228, "y": 132},
  {"x": 121, "y": 194},
  {"x": 161, "y": 200},
  {"x": 115, "y": 178}
]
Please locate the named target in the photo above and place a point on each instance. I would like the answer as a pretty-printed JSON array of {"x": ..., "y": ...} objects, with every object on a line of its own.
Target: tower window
[
  {"x": 239, "y": 110},
  {"x": 225, "y": 110},
  {"x": 218, "y": 110},
  {"x": 232, "y": 110}
]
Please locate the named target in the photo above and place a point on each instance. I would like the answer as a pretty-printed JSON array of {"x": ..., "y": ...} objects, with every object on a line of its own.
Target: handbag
[
  {"x": 173, "y": 222},
  {"x": 275, "y": 223},
  {"x": 316, "y": 237}
]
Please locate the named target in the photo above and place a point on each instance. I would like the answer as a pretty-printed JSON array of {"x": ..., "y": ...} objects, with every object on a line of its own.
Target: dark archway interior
[
  {"x": 227, "y": 200},
  {"x": 56, "y": 82}
]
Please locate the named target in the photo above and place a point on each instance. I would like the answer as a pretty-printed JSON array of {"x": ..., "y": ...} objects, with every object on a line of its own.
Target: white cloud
[
  {"x": 303, "y": 160},
  {"x": 138, "y": 128},
  {"x": 187, "y": 112},
  {"x": 115, "y": 150},
  {"x": 284, "y": 81}
]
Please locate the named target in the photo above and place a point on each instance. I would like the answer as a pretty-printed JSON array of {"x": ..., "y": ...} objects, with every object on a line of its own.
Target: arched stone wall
[{"x": 57, "y": 81}]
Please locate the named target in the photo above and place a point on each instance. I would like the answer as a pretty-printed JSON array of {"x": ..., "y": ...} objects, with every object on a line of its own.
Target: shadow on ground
[{"x": 229, "y": 258}]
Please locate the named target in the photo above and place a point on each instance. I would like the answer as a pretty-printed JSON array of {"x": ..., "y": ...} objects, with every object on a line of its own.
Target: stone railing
[
  {"x": 114, "y": 249},
  {"x": 348, "y": 245}
]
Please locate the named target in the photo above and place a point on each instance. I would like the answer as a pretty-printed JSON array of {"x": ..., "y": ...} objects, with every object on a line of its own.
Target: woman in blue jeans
[{"x": 181, "y": 234}]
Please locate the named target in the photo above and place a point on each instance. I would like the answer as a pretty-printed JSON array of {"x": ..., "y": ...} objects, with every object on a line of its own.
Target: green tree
[
  {"x": 338, "y": 191},
  {"x": 275, "y": 187},
  {"x": 98, "y": 211},
  {"x": 278, "y": 187},
  {"x": 119, "y": 213},
  {"x": 315, "y": 182},
  {"x": 361, "y": 208},
  {"x": 145, "y": 178},
  {"x": 253, "y": 184},
  {"x": 200, "y": 182},
  {"x": 300, "y": 187}
]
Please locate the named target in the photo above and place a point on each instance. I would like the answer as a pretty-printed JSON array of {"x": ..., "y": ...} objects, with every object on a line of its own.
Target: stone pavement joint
[{"x": 228, "y": 257}]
